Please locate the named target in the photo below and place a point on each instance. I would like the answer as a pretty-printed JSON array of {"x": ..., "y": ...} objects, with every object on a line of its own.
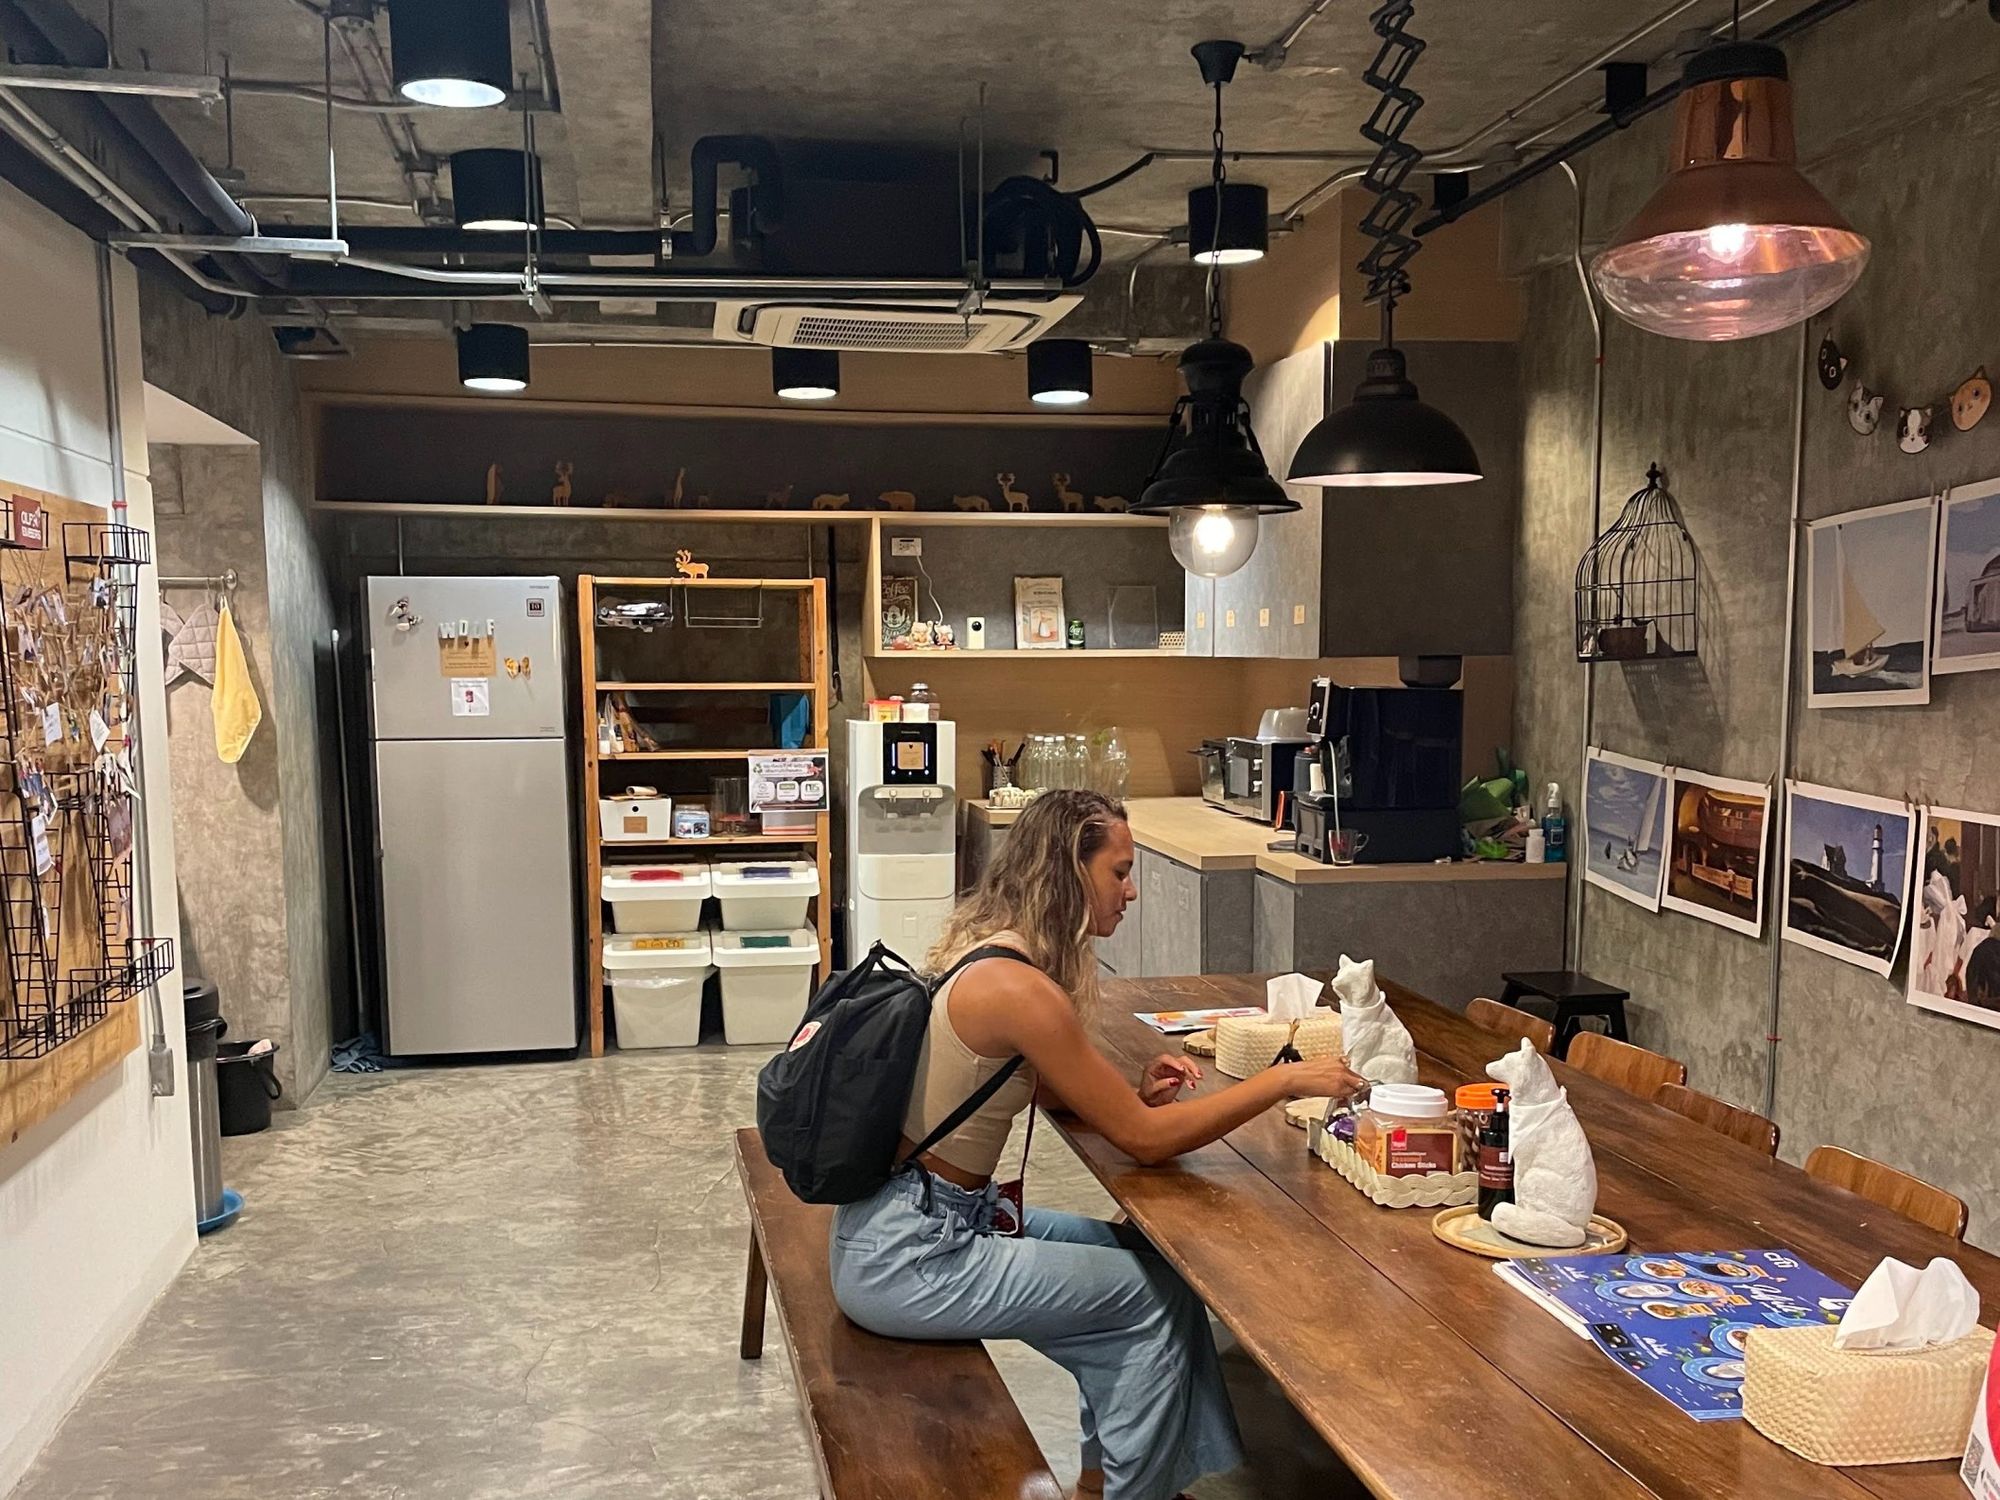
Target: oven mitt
[
  {"x": 191, "y": 652},
  {"x": 237, "y": 711}
]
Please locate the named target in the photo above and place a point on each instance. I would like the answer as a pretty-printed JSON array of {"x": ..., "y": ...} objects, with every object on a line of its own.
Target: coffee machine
[{"x": 1383, "y": 766}]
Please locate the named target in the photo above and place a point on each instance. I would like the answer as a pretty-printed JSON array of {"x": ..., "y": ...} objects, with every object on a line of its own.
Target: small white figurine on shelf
[
  {"x": 1555, "y": 1178},
  {"x": 1376, "y": 1044}
]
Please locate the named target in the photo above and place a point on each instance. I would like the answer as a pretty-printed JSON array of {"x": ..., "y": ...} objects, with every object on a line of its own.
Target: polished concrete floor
[{"x": 514, "y": 1282}]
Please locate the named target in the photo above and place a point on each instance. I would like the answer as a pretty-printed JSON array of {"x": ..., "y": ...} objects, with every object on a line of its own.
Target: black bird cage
[{"x": 1637, "y": 585}]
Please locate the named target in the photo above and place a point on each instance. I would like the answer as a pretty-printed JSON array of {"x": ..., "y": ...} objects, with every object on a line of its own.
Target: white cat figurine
[
  {"x": 1376, "y": 1043},
  {"x": 1555, "y": 1179}
]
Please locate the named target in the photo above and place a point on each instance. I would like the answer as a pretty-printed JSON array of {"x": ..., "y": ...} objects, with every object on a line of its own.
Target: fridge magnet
[
  {"x": 1716, "y": 855},
  {"x": 1968, "y": 579},
  {"x": 1847, "y": 873},
  {"x": 1832, "y": 364},
  {"x": 1868, "y": 613},
  {"x": 1954, "y": 970},
  {"x": 1038, "y": 614},
  {"x": 1625, "y": 826},
  {"x": 1913, "y": 429},
  {"x": 1970, "y": 401},
  {"x": 1864, "y": 409}
]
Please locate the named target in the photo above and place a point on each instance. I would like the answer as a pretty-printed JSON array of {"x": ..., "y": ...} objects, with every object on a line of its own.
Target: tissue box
[{"x": 1886, "y": 1406}]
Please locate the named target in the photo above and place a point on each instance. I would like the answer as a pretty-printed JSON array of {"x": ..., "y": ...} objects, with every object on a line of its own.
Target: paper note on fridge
[{"x": 469, "y": 698}]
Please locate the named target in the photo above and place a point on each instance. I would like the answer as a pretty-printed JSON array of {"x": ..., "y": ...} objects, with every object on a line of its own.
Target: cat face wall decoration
[
  {"x": 1970, "y": 401},
  {"x": 1864, "y": 409},
  {"x": 1913, "y": 429},
  {"x": 1832, "y": 364}
]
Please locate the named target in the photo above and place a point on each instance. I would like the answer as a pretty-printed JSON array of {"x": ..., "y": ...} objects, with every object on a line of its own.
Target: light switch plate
[
  {"x": 1263, "y": 619},
  {"x": 1298, "y": 614},
  {"x": 906, "y": 546}
]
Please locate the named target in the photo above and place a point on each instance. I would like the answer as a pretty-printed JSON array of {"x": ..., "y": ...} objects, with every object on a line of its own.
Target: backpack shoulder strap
[{"x": 970, "y": 1105}]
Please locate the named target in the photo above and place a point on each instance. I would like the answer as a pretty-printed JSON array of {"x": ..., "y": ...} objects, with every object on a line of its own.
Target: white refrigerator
[{"x": 472, "y": 827}]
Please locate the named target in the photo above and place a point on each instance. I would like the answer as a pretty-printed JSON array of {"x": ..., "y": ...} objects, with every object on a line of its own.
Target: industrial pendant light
[
  {"x": 1385, "y": 436},
  {"x": 496, "y": 187},
  {"x": 1228, "y": 222},
  {"x": 454, "y": 53},
  {"x": 1059, "y": 372},
  {"x": 806, "y": 374},
  {"x": 493, "y": 357},
  {"x": 1735, "y": 242}
]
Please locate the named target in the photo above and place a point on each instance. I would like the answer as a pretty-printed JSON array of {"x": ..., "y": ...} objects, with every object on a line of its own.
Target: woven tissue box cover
[{"x": 1838, "y": 1406}]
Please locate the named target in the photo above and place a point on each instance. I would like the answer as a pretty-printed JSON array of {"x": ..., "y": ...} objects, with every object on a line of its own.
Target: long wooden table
[{"x": 1426, "y": 1373}]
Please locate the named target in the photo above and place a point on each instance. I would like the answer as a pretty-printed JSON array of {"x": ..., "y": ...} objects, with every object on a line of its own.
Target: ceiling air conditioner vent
[{"x": 899, "y": 327}]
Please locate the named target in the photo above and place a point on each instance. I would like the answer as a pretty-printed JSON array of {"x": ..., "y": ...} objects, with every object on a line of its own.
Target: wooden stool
[{"x": 1575, "y": 996}]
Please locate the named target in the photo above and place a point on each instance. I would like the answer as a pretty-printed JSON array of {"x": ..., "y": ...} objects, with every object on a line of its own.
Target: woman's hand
[
  {"x": 1164, "y": 1078},
  {"x": 1328, "y": 1077}
]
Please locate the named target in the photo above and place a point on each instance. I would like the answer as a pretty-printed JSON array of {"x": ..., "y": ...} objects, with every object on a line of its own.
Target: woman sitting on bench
[{"x": 943, "y": 1251}]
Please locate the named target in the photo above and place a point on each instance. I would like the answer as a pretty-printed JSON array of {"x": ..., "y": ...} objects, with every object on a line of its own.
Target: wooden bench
[{"x": 889, "y": 1419}]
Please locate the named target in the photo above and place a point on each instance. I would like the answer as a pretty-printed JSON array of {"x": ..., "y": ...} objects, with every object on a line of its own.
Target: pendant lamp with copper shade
[{"x": 1735, "y": 242}]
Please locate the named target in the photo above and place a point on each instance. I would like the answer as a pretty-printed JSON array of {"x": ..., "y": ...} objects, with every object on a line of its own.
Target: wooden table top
[{"x": 1426, "y": 1373}]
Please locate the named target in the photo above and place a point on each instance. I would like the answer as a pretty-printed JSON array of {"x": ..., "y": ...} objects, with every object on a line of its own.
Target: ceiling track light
[
  {"x": 805, "y": 374},
  {"x": 457, "y": 54},
  {"x": 1059, "y": 372},
  {"x": 493, "y": 357},
  {"x": 496, "y": 188},
  {"x": 1228, "y": 222},
  {"x": 1735, "y": 242}
]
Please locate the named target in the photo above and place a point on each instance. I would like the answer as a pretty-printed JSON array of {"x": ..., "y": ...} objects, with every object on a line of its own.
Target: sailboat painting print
[
  {"x": 1869, "y": 609},
  {"x": 1625, "y": 826},
  {"x": 1847, "y": 873},
  {"x": 1968, "y": 580}
]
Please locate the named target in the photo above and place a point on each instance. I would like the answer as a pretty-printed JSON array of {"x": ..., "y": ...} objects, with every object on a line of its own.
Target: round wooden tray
[
  {"x": 1464, "y": 1229},
  {"x": 1200, "y": 1043},
  {"x": 1302, "y": 1112}
]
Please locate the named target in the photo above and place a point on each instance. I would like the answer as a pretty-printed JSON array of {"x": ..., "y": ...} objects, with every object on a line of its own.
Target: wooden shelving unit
[{"x": 812, "y": 680}]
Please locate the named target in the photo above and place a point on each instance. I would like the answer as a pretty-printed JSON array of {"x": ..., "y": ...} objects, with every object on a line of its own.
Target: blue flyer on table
[{"x": 1678, "y": 1320}]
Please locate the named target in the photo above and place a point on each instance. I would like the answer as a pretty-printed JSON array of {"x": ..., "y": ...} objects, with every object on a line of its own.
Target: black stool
[{"x": 1575, "y": 996}]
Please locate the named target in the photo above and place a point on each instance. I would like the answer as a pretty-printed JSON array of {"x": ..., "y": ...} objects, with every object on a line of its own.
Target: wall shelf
[
  {"x": 611, "y": 846},
  {"x": 1013, "y": 653},
  {"x": 706, "y": 687},
  {"x": 739, "y": 517},
  {"x": 688, "y": 754}
]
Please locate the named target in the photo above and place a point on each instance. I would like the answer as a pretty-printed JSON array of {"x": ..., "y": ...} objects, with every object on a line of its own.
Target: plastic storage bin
[
  {"x": 628, "y": 819},
  {"x": 765, "y": 895},
  {"x": 656, "y": 985},
  {"x": 655, "y": 898},
  {"x": 766, "y": 982}
]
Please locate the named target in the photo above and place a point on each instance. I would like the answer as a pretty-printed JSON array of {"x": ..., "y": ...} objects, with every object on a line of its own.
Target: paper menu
[{"x": 1176, "y": 1022}]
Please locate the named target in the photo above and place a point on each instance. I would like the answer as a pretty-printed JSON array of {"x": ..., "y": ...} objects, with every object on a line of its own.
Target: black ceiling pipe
[{"x": 706, "y": 160}]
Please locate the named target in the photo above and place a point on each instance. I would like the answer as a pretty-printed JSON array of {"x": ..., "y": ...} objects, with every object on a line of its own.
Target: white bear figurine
[
  {"x": 1555, "y": 1179},
  {"x": 1376, "y": 1044}
]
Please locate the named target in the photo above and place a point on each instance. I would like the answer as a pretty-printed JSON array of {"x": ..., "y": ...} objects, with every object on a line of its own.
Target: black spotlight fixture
[
  {"x": 1385, "y": 436},
  {"x": 1059, "y": 372},
  {"x": 454, "y": 53},
  {"x": 493, "y": 357},
  {"x": 496, "y": 187},
  {"x": 806, "y": 374},
  {"x": 1228, "y": 222}
]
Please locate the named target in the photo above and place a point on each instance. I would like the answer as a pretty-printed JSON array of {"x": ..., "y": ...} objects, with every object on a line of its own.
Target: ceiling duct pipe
[
  {"x": 401, "y": 240},
  {"x": 711, "y": 153}
]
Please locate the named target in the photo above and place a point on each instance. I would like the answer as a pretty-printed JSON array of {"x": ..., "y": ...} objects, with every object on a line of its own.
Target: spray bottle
[{"x": 1555, "y": 827}]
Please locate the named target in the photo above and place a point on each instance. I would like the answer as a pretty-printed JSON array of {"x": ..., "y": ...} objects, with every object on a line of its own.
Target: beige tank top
[{"x": 947, "y": 1073}]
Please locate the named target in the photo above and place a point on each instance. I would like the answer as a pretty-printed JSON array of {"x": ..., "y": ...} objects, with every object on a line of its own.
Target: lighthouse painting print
[{"x": 1847, "y": 873}]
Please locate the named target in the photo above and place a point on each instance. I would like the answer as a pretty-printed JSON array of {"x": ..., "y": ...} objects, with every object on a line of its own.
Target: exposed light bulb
[
  {"x": 1213, "y": 541},
  {"x": 1728, "y": 241}
]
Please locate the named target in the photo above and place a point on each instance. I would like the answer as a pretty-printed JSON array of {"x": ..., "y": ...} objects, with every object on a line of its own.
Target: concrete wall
[
  {"x": 232, "y": 371},
  {"x": 96, "y": 1202},
  {"x": 1912, "y": 168}
]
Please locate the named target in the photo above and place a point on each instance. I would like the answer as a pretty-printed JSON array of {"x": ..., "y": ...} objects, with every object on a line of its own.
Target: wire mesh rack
[{"x": 1638, "y": 585}]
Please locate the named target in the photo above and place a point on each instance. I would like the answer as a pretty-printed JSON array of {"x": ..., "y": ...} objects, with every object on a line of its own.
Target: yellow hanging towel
[{"x": 237, "y": 711}]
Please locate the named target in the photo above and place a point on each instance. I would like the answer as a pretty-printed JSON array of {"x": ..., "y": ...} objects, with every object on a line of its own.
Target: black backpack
[{"x": 830, "y": 1106}]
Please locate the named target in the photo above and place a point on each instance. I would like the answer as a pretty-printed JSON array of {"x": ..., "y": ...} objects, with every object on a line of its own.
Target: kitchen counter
[{"x": 1190, "y": 832}]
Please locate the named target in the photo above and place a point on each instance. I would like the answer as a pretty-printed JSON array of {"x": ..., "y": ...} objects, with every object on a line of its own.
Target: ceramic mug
[{"x": 1344, "y": 844}]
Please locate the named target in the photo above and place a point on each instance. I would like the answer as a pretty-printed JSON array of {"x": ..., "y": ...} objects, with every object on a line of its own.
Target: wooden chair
[
  {"x": 1752, "y": 1130},
  {"x": 1512, "y": 1021},
  {"x": 1622, "y": 1065},
  {"x": 1896, "y": 1191}
]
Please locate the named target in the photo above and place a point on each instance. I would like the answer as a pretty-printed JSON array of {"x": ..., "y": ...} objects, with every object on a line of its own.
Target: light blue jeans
[{"x": 1094, "y": 1297}]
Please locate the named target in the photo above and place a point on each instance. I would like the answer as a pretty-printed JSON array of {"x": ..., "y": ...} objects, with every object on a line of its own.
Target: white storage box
[
  {"x": 766, "y": 982},
  {"x": 655, "y": 898},
  {"x": 625, "y": 819},
  {"x": 765, "y": 895},
  {"x": 656, "y": 985}
]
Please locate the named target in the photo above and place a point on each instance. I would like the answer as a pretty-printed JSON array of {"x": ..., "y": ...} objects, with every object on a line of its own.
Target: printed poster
[
  {"x": 1625, "y": 804},
  {"x": 1721, "y": 829},
  {"x": 1953, "y": 968},
  {"x": 1847, "y": 873}
]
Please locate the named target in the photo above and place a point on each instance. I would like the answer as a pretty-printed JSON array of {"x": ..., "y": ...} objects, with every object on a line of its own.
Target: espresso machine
[{"x": 1383, "y": 767}]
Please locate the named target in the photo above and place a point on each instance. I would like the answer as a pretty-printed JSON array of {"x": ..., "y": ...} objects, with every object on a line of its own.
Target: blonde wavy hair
[{"x": 1037, "y": 888}]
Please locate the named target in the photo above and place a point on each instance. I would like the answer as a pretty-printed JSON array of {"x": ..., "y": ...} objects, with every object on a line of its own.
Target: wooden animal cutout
[
  {"x": 1109, "y": 502},
  {"x": 972, "y": 502},
  {"x": 622, "y": 500},
  {"x": 1016, "y": 499},
  {"x": 563, "y": 489},
  {"x": 778, "y": 499},
  {"x": 898, "y": 499},
  {"x": 1071, "y": 499},
  {"x": 680, "y": 490},
  {"x": 830, "y": 502},
  {"x": 685, "y": 564},
  {"x": 493, "y": 484}
]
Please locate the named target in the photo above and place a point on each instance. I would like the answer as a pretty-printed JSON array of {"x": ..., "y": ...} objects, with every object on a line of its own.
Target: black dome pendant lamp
[{"x": 1385, "y": 437}]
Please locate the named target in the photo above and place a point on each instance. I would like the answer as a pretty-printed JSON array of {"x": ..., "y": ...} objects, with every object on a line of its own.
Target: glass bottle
[
  {"x": 1496, "y": 1159},
  {"x": 1115, "y": 767},
  {"x": 1079, "y": 762}
]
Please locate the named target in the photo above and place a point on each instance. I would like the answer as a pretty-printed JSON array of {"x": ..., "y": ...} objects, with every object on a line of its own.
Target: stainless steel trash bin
[{"x": 203, "y": 1008}]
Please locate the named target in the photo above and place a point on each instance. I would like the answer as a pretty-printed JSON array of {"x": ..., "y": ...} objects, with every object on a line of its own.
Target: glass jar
[
  {"x": 1407, "y": 1129},
  {"x": 922, "y": 706}
]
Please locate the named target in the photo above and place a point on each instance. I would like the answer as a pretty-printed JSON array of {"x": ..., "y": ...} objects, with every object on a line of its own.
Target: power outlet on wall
[{"x": 906, "y": 546}]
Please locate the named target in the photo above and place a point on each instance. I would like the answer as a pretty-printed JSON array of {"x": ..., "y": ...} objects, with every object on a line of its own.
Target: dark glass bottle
[{"x": 1496, "y": 1159}]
